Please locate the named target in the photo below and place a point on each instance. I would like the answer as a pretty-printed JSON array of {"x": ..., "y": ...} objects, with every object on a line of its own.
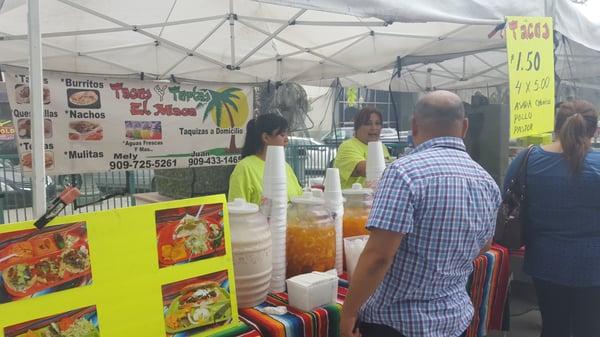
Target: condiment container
[
  {"x": 252, "y": 252},
  {"x": 309, "y": 291}
]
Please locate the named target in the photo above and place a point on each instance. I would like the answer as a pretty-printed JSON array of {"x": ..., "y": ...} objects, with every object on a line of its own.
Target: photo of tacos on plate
[
  {"x": 76, "y": 323},
  {"x": 83, "y": 98},
  {"x": 22, "y": 93},
  {"x": 85, "y": 130},
  {"x": 18, "y": 278},
  {"x": 37, "y": 262},
  {"x": 197, "y": 304},
  {"x": 189, "y": 234},
  {"x": 27, "y": 161}
]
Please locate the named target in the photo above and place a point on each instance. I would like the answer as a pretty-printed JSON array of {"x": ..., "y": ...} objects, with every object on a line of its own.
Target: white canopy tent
[
  {"x": 225, "y": 41},
  {"x": 444, "y": 45},
  {"x": 248, "y": 42}
]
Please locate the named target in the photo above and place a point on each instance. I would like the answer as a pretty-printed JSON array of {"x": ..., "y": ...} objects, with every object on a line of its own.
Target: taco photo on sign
[
  {"x": 197, "y": 304},
  {"x": 189, "y": 234},
  {"x": 76, "y": 323},
  {"x": 37, "y": 262}
]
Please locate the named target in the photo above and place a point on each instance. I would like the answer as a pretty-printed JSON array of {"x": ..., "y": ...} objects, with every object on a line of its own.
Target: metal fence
[
  {"x": 309, "y": 162},
  {"x": 99, "y": 191}
]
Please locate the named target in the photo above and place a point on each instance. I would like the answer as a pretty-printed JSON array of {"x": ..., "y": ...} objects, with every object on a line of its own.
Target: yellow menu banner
[
  {"x": 162, "y": 269},
  {"x": 529, "y": 45}
]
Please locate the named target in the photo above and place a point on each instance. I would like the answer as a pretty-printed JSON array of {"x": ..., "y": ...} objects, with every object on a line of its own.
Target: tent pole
[
  {"x": 270, "y": 37},
  {"x": 141, "y": 31},
  {"x": 253, "y": 63},
  {"x": 306, "y": 50},
  {"x": 116, "y": 29},
  {"x": 232, "y": 33},
  {"x": 319, "y": 23},
  {"x": 351, "y": 44},
  {"x": 448, "y": 71},
  {"x": 37, "y": 108},
  {"x": 166, "y": 72},
  {"x": 504, "y": 74}
]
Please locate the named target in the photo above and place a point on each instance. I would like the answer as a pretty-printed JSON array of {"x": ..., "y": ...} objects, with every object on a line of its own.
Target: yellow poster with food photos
[{"x": 162, "y": 269}]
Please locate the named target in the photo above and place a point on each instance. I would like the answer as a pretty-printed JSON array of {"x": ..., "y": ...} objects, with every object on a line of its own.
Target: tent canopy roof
[{"x": 243, "y": 41}]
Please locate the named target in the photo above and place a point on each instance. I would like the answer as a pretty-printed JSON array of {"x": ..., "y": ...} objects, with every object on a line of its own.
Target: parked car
[
  {"x": 316, "y": 157},
  {"x": 340, "y": 135},
  {"x": 389, "y": 137},
  {"x": 16, "y": 189}
]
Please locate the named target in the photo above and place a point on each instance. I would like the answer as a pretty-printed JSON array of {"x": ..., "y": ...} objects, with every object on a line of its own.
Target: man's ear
[{"x": 465, "y": 127}]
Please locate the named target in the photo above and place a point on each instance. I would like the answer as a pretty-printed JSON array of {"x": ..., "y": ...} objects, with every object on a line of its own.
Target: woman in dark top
[{"x": 563, "y": 224}]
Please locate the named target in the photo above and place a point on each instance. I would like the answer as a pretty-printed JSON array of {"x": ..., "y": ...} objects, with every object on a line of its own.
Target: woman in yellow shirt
[
  {"x": 351, "y": 157},
  {"x": 246, "y": 181}
]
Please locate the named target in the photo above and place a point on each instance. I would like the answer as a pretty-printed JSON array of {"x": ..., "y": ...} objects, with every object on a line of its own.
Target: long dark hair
[
  {"x": 272, "y": 124},
  {"x": 576, "y": 123}
]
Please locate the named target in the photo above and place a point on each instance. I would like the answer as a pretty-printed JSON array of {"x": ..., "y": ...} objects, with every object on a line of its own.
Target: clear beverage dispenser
[{"x": 310, "y": 236}]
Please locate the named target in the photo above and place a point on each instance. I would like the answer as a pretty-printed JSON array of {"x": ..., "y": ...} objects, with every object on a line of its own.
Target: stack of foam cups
[
  {"x": 335, "y": 205},
  {"x": 275, "y": 209},
  {"x": 375, "y": 163}
]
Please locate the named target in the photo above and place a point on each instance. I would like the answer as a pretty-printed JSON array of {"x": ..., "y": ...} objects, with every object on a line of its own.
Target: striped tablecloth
[
  {"x": 487, "y": 287},
  {"x": 240, "y": 330}
]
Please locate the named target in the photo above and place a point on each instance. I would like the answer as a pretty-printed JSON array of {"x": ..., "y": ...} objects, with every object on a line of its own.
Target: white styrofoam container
[{"x": 312, "y": 290}]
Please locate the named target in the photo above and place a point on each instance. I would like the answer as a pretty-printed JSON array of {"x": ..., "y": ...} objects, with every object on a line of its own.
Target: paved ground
[{"x": 525, "y": 319}]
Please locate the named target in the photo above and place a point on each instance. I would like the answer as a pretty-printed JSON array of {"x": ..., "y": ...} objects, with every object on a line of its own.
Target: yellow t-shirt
[
  {"x": 349, "y": 154},
  {"x": 246, "y": 180}
]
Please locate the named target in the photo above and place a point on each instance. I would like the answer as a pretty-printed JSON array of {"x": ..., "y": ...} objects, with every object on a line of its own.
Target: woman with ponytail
[
  {"x": 563, "y": 224},
  {"x": 246, "y": 181}
]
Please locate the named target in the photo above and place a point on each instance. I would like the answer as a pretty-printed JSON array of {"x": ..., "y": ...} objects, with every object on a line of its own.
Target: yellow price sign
[
  {"x": 529, "y": 45},
  {"x": 154, "y": 270}
]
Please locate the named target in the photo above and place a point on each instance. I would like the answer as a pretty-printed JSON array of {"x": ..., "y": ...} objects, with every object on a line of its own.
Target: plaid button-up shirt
[{"x": 446, "y": 205}]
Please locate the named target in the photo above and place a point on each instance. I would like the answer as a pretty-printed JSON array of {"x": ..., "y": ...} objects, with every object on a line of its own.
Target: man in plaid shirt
[{"x": 434, "y": 213}]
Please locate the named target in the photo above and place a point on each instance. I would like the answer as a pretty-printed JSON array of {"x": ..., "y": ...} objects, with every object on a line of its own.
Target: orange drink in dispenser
[
  {"x": 356, "y": 210},
  {"x": 310, "y": 243}
]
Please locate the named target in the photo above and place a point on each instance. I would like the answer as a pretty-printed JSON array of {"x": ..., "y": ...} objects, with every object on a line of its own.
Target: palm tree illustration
[{"x": 222, "y": 100}]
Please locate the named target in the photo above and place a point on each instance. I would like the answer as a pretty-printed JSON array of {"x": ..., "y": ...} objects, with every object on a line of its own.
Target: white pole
[
  {"x": 232, "y": 34},
  {"x": 37, "y": 108}
]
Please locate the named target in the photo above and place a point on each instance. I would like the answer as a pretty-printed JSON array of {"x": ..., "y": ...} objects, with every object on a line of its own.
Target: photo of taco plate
[
  {"x": 27, "y": 160},
  {"x": 22, "y": 94},
  {"x": 83, "y": 98},
  {"x": 18, "y": 278},
  {"x": 198, "y": 305},
  {"x": 190, "y": 238},
  {"x": 85, "y": 130},
  {"x": 23, "y": 279},
  {"x": 77, "y": 323}
]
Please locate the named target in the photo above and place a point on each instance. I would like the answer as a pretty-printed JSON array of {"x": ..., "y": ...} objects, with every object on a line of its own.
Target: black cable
[
  {"x": 333, "y": 126},
  {"x": 397, "y": 114},
  {"x": 569, "y": 53},
  {"x": 121, "y": 193}
]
